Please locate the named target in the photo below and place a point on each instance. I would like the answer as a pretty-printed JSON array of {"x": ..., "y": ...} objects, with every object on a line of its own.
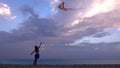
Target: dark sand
[{"x": 62, "y": 66}]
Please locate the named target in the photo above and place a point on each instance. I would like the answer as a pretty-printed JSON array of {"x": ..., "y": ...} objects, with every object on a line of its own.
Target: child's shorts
[{"x": 36, "y": 56}]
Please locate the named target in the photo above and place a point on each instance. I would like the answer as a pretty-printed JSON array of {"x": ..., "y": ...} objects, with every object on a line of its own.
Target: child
[{"x": 36, "y": 53}]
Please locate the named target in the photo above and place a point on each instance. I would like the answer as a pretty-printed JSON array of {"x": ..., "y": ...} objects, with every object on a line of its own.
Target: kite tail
[{"x": 71, "y": 9}]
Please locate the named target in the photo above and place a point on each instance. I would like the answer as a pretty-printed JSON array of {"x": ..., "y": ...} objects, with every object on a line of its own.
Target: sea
[{"x": 54, "y": 61}]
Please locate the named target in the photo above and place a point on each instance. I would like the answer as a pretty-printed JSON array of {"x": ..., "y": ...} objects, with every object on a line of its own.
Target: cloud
[
  {"x": 88, "y": 51},
  {"x": 99, "y": 22},
  {"x": 101, "y": 34},
  {"x": 53, "y": 4},
  {"x": 42, "y": 27},
  {"x": 25, "y": 9},
  {"x": 95, "y": 8},
  {"x": 4, "y": 9},
  {"x": 34, "y": 24},
  {"x": 5, "y": 12},
  {"x": 101, "y": 6}
]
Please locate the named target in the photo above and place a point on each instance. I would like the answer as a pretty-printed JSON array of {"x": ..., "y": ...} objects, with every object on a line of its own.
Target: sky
[{"x": 92, "y": 31}]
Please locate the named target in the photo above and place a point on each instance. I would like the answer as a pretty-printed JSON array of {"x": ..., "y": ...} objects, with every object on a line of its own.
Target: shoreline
[{"x": 60, "y": 66}]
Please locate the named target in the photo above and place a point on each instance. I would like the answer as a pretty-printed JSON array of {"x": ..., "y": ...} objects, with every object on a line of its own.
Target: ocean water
[{"x": 51, "y": 62}]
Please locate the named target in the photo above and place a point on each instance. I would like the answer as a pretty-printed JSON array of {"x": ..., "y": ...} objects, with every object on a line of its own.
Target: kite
[{"x": 62, "y": 7}]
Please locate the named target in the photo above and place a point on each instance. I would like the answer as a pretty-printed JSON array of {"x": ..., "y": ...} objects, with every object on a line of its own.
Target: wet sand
[{"x": 61, "y": 66}]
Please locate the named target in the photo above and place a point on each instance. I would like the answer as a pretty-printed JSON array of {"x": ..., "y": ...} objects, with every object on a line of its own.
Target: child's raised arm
[{"x": 40, "y": 45}]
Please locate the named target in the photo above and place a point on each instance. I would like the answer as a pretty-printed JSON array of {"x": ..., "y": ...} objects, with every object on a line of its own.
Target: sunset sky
[{"x": 90, "y": 32}]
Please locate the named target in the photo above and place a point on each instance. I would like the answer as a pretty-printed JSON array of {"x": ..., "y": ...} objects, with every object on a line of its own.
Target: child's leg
[{"x": 35, "y": 61}]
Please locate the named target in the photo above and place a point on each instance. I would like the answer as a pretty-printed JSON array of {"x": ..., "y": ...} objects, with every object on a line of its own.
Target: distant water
[{"x": 61, "y": 61}]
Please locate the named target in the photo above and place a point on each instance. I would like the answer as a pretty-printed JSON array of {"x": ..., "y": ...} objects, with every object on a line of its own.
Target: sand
[{"x": 62, "y": 66}]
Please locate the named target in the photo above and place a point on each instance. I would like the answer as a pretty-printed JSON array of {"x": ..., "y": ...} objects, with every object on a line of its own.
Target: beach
[{"x": 61, "y": 66}]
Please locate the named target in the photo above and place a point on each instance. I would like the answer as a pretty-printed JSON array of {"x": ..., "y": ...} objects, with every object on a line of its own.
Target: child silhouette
[{"x": 36, "y": 50}]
